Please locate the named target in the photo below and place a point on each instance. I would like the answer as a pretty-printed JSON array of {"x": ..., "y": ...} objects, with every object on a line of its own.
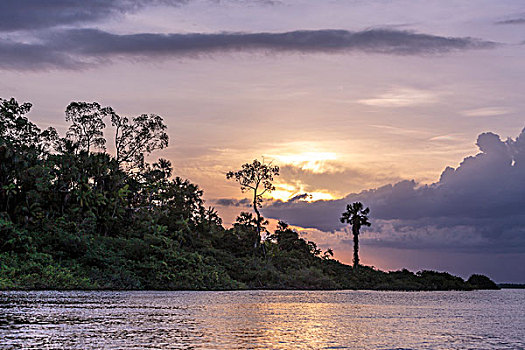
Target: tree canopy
[
  {"x": 357, "y": 216},
  {"x": 256, "y": 177},
  {"x": 73, "y": 218},
  {"x": 87, "y": 125},
  {"x": 143, "y": 135}
]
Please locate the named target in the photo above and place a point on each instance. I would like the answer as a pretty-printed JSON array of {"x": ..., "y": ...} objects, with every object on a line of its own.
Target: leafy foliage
[
  {"x": 145, "y": 134},
  {"x": 481, "y": 282},
  {"x": 256, "y": 177},
  {"x": 87, "y": 124},
  {"x": 73, "y": 219}
]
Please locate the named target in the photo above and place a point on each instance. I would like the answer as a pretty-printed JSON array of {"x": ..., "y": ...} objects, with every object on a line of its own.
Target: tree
[
  {"x": 288, "y": 240},
  {"x": 17, "y": 130},
  {"x": 87, "y": 125},
  {"x": 357, "y": 217},
  {"x": 145, "y": 134},
  {"x": 14, "y": 126},
  {"x": 328, "y": 254},
  {"x": 256, "y": 177}
]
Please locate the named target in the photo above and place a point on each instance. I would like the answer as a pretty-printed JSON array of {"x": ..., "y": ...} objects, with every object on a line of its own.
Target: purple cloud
[
  {"x": 476, "y": 207},
  {"x": 82, "y": 47},
  {"x": 18, "y": 15}
]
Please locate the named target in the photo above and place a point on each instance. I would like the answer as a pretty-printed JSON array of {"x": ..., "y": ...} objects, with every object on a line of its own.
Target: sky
[{"x": 414, "y": 108}]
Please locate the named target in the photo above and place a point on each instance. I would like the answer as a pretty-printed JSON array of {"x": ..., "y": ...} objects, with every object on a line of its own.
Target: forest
[{"x": 73, "y": 216}]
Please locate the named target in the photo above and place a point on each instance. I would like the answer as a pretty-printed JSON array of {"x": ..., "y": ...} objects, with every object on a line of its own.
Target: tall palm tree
[{"x": 356, "y": 216}]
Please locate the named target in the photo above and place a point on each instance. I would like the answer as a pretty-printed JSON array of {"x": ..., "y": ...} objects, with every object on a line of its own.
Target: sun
[{"x": 313, "y": 161}]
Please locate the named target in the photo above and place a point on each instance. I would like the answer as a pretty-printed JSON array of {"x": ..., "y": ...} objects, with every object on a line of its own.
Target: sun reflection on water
[{"x": 262, "y": 320}]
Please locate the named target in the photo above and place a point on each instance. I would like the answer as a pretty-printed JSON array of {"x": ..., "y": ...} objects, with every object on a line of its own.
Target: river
[{"x": 262, "y": 320}]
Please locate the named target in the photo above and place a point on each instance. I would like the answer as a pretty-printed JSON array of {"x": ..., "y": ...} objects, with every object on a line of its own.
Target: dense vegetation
[{"x": 74, "y": 217}]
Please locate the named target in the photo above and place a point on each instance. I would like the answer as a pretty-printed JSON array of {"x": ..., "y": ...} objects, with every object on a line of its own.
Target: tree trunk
[
  {"x": 258, "y": 240},
  {"x": 356, "y": 247}
]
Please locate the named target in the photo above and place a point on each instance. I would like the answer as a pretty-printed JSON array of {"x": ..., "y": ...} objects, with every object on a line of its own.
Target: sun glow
[
  {"x": 284, "y": 196},
  {"x": 283, "y": 192},
  {"x": 314, "y": 161},
  {"x": 320, "y": 196},
  {"x": 286, "y": 192}
]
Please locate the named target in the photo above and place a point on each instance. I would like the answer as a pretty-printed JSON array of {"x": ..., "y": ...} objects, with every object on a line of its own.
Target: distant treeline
[
  {"x": 511, "y": 285},
  {"x": 73, "y": 216}
]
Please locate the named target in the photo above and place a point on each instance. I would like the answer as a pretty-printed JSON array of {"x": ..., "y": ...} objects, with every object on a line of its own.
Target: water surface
[{"x": 263, "y": 320}]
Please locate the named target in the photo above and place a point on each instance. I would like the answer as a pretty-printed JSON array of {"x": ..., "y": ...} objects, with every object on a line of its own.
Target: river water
[{"x": 263, "y": 320}]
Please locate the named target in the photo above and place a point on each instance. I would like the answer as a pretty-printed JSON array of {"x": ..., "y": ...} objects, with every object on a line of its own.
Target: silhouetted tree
[
  {"x": 246, "y": 221},
  {"x": 241, "y": 236},
  {"x": 14, "y": 126},
  {"x": 87, "y": 125},
  {"x": 329, "y": 253},
  {"x": 71, "y": 219},
  {"x": 145, "y": 134},
  {"x": 356, "y": 216},
  {"x": 17, "y": 130},
  {"x": 256, "y": 177}
]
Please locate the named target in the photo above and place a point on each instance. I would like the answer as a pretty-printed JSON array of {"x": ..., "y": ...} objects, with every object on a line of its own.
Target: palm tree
[{"x": 356, "y": 216}]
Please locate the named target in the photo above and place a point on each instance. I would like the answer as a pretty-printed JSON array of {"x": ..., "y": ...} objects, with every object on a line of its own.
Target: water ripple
[{"x": 263, "y": 320}]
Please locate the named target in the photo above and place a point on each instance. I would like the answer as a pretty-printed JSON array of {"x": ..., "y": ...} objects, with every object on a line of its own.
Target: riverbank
[{"x": 204, "y": 270}]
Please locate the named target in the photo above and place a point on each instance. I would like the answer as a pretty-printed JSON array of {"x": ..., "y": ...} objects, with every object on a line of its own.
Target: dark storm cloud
[
  {"x": 21, "y": 56},
  {"x": 91, "y": 46},
  {"x": 477, "y": 206},
  {"x": 96, "y": 42},
  {"x": 37, "y": 14}
]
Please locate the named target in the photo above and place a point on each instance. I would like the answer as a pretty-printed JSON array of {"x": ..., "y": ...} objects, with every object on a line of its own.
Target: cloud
[
  {"x": 21, "y": 56},
  {"x": 520, "y": 20},
  {"x": 300, "y": 197},
  {"x": 487, "y": 112},
  {"x": 231, "y": 202},
  {"x": 96, "y": 42},
  {"x": 401, "y": 98},
  {"x": 477, "y": 206},
  {"x": 38, "y": 14},
  {"x": 77, "y": 47},
  {"x": 446, "y": 138},
  {"x": 334, "y": 178},
  {"x": 400, "y": 131}
]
